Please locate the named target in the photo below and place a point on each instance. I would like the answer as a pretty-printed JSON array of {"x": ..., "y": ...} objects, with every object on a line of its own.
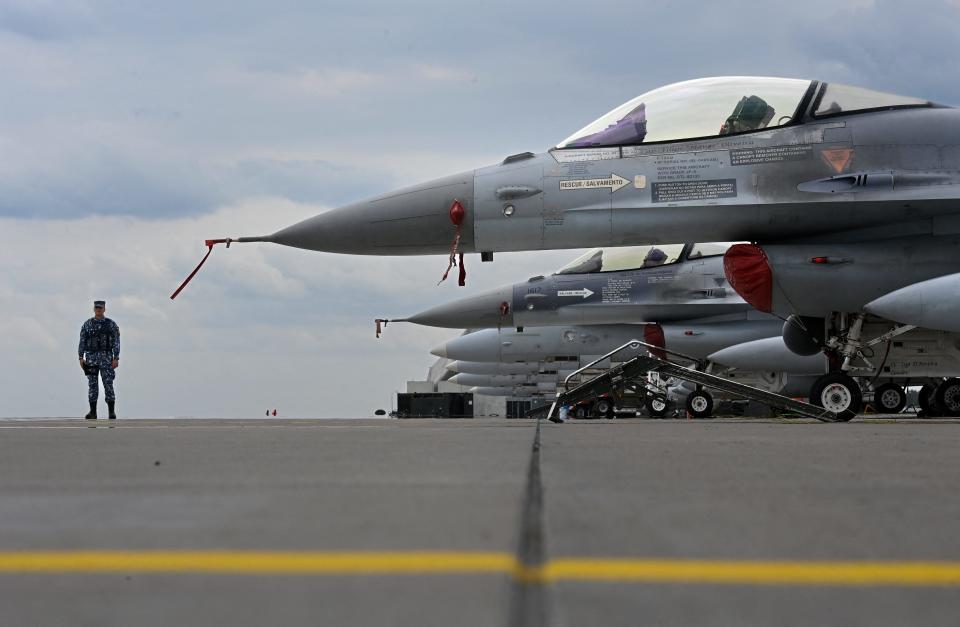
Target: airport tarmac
[{"x": 479, "y": 522}]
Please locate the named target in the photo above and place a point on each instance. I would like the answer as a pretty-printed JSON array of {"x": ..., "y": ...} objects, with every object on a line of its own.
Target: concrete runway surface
[{"x": 474, "y": 522}]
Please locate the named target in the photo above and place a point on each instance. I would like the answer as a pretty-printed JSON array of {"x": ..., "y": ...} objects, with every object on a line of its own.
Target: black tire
[
  {"x": 839, "y": 393},
  {"x": 657, "y": 407},
  {"x": 948, "y": 397},
  {"x": 604, "y": 408},
  {"x": 700, "y": 404},
  {"x": 581, "y": 412},
  {"x": 889, "y": 398},
  {"x": 927, "y": 400}
]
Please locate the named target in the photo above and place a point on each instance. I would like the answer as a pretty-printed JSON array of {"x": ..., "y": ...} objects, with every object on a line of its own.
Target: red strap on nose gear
[
  {"x": 504, "y": 310},
  {"x": 378, "y": 321},
  {"x": 457, "y": 214},
  {"x": 210, "y": 243}
]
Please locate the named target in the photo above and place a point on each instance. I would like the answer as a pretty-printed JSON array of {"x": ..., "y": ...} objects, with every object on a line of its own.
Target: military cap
[{"x": 99, "y": 303}]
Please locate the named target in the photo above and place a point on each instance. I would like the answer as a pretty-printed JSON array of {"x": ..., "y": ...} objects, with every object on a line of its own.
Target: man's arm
[
  {"x": 116, "y": 342},
  {"x": 83, "y": 332}
]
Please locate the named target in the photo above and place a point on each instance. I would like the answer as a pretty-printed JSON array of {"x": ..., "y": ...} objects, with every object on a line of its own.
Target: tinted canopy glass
[
  {"x": 629, "y": 258},
  {"x": 846, "y": 99},
  {"x": 705, "y": 107},
  {"x": 709, "y": 249}
]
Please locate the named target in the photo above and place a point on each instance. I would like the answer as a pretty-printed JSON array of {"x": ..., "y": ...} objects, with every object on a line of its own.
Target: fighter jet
[
  {"x": 520, "y": 367},
  {"x": 517, "y": 391},
  {"x": 495, "y": 380},
  {"x": 831, "y": 172},
  {"x": 660, "y": 283},
  {"x": 729, "y": 158},
  {"x": 695, "y": 339}
]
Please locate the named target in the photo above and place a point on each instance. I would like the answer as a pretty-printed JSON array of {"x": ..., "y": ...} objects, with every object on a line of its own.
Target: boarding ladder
[{"x": 639, "y": 367}]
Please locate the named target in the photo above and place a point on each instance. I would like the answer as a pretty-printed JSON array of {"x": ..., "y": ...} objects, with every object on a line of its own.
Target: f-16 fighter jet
[
  {"x": 659, "y": 283},
  {"x": 821, "y": 177},
  {"x": 655, "y": 284},
  {"x": 731, "y": 158},
  {"x": 696, "y": 339}
]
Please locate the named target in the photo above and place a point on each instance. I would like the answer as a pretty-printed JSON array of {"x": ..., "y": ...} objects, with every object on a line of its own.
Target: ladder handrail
[{"x": 630, "y": 344}]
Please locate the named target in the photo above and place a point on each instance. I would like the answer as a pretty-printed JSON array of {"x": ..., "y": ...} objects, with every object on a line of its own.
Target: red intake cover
[
  {"x": 749, "y": 274},
  {"x": 653, "y": 334}
]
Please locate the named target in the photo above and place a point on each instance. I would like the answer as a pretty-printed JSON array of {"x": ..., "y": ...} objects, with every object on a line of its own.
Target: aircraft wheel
[
  {"x": 948, "y": 396},
  {"x": 700, "y": 404},
  {"x": 604, "y": 408},
  {"x": 839, "y": 393},
  {"x": 890, "y": 398},
  {"x": 927, "y": 400},
  {"x": 657, "y": 407},
  {"x": 581, "y": 412}
]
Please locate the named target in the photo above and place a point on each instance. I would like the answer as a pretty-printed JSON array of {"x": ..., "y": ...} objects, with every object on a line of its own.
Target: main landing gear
[
  {"x": 889, "y": 398},
  {"x": 940, "y": 399}
]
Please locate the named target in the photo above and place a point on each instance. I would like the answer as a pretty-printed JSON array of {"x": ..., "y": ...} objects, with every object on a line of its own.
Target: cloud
[
  {"x": 259, "y": 326},
  {"x": 47, "y": 19},
  {"x": 129, "y": 132},
  {"x": 311, "y": 82}
]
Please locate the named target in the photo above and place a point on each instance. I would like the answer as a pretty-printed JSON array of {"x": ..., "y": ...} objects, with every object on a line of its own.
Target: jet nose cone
[
  {"x": 412, "y": 221},
  {"x": 440, "y": 351},
  {"x": 453, "y": 366},
  {"x": 486, "y": 310},
  {"x": 479, "y": 346}
]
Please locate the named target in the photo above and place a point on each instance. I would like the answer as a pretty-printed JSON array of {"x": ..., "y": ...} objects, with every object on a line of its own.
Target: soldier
[{"x": 100, "y": 354}]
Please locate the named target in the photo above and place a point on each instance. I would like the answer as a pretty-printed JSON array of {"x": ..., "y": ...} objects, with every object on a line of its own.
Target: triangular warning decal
[{"x": 837, "y": 158}]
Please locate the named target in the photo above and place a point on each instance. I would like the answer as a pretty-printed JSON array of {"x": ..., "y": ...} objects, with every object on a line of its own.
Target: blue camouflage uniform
[{"x": 99, "y": 346}]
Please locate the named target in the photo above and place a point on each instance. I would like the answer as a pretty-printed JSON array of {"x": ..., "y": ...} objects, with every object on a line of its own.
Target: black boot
[
  {"x": 113, "y": 414},
  {"x": 93, "y": 411}
]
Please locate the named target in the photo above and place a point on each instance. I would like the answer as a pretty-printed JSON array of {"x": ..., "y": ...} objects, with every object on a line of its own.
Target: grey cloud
[
  {"x": 151, "y": 126},
  {"x": 259, "y": 325},
  {"x": 101, "y": 180},
  {"x": 45, "y": 20}
]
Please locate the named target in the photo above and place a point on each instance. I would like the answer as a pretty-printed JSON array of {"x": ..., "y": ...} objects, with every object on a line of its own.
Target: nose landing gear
[{"x": 839, "y": 393}]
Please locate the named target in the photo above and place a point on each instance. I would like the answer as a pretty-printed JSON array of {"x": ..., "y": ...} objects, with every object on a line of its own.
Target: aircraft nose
[
  {"x": 485, "y": 310},
  {"x": 479, "y": 346},
  {"x": 455, "y": 379},
  {"x": 412, "y": 221}
]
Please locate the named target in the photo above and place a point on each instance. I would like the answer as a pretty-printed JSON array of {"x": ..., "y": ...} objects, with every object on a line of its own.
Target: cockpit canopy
[
  {"x": 628, "y": 258},
  {"x": 712, "y": 107},
  {"x": 638, "y": 257}
]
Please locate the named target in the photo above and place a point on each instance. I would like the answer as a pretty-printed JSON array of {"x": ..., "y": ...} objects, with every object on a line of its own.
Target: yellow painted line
[
  {"x": 787, "y": 573},
  {"x": 802, "y": 573},
  {"x": 258, "y": 562}
]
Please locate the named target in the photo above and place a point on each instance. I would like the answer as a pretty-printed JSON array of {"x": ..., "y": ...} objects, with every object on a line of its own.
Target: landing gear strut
[{"x": 927, "y": 399}]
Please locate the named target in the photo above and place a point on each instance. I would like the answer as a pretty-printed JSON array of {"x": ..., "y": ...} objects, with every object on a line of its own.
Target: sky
[{"x": 132, "y": 131}]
